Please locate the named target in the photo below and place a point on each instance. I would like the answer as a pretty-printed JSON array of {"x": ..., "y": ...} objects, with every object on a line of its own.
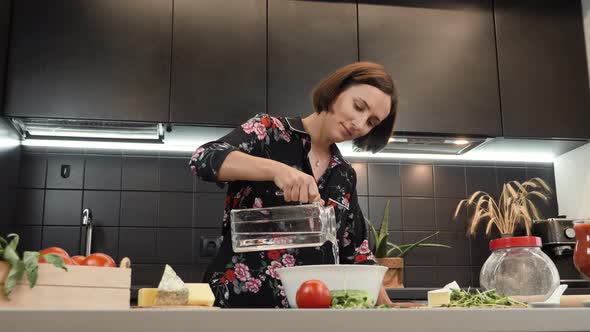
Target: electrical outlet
[{"x": 210, "y": 246}]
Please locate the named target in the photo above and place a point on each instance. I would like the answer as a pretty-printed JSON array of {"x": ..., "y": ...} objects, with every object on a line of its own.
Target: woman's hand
[
  {"x": 296, "y": 185},
  {"x": 383, "y": 297}
]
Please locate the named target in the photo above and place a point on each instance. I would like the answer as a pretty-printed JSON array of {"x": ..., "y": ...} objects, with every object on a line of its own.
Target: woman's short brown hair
[{"x": 356, "y": 73}]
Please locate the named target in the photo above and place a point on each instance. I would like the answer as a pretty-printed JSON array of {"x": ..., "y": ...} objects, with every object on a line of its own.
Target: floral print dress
[{"x": 250, "y": 280}]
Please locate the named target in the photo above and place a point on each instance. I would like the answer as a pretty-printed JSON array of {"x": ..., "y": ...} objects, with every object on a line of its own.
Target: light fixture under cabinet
[{"x": 89, "y": 130}]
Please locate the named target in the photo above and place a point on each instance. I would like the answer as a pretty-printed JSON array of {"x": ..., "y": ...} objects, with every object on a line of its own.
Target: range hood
[
  {"x": 432, "y": 144},
  {"x": 89, "y": 129}
]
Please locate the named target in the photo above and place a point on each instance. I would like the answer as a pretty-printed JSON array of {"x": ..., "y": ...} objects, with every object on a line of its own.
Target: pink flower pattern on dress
[
  {"x": 248, "y": 127},
  {"x": 253, "y": 285},
  {"x": 242, "y": 271},
  {"x": 286, "y": 136},
  {"x": 346, "y": 240},
  {"x": 260, "y": 131},
  {"x": 288, "y": 260},
  {"x": 257, "y": 202},
  {"x": 271, "y": 270},
  {"x": 364, "y": 248},
  {"x": 278, "y": 124}
]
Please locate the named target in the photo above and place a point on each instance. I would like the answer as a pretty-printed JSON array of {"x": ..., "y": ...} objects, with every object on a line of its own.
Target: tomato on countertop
[{"x": 313, "y": 294}]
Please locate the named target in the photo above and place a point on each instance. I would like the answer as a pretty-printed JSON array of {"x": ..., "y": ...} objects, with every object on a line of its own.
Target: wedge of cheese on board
[
  {"x": 146, "y": 297},
  {"x": 200, "y": 294},
  {"x": 439, "y": 297},
  {"x": 171, "y": 290}
]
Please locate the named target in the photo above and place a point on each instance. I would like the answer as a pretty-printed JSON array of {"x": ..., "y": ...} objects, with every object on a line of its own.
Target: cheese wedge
[
  {"x": 171, "y": 290},
  {"x": 442, "y": 296},
  {"x": 146, "y": 297},
  {"x": 439, "y": 297},
  {"x": 200, "y": 294}
]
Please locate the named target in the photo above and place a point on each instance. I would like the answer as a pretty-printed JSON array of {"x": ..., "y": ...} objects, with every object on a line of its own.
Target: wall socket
[{"x": 210, "y": 246}]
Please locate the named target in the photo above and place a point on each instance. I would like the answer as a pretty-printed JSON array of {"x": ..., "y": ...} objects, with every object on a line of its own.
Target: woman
[{"x": 298, "y": 157}]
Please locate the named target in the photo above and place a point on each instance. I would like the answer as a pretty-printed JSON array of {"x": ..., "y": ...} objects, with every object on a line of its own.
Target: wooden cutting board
[{"x": 572, "y": 301}]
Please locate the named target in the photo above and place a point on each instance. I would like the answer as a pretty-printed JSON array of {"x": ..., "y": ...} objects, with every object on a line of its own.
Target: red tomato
[
  {"x": 313, "y": 294},
  {"x": 59, "y": 252},
  {"x": 99, "y": 259},
  {"x": 55, "y": 250},
  {"x": 78, "y": 259}
]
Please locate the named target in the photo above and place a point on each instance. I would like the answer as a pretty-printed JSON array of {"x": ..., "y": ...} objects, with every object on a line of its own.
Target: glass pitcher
[
  {"x": 293, "y": 226},
  {"x": 582, "y": 250}
]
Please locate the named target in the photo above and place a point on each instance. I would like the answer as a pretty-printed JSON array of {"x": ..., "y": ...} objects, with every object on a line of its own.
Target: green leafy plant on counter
[
  {"x": 28, "y": 265},
  {"x": 489, "y": 298},
  {"x": 384, "y": 248},
  {"x": 515, "y": 206}
]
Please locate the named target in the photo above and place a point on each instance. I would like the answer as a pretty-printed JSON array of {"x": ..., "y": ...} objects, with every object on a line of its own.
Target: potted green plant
[
  {"x": 514, "y": 207},
  {"x": 13, "y": 268},
  {"x": 391, "y": 255}
]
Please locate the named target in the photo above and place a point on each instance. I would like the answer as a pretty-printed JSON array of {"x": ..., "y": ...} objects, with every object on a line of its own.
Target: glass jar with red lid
[
  {"x": 582, "y": 250},
  {"x": 519, "y": 268}
]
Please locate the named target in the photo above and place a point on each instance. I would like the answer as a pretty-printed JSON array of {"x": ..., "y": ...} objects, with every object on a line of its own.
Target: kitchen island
[{"x": 285, "y": 320}]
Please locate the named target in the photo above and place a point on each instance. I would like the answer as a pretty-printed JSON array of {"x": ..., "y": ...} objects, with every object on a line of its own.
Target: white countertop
[{"x": 285, "y": 320}]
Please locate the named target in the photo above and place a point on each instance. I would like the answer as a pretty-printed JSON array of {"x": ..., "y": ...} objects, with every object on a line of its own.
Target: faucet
[{"x": 87, "y": 221}]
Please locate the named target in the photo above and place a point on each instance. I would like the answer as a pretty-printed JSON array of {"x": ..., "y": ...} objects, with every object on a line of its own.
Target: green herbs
[
  {"x": 29, "y": 265},
  {"x": 489, "y": 298},
  {"x": 351, "y": 299}
]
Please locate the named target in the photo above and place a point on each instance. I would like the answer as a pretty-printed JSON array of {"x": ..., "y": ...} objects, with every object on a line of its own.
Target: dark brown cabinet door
[
  {"x": 442, "y": 56},
  {"x": 107, "y": 59},
  {"x": 4, "y": 26},
  {"x": 543, "y": 70},
  {"x": 218, "y": 61},
  {"x": 307, "y": 40}
]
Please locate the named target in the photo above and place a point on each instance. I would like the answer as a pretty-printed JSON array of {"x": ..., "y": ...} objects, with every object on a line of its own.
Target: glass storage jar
[{"x": 518, "y": 268}]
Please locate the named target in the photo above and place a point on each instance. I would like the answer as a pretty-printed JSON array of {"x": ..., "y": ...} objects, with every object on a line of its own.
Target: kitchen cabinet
[
  {"x": 107, "y": 59},
  {"x": 542, "y": 68},
  {"x": 307, "y": 40},
  {"x": 218, "y": 61},
  {"x": 4, "y": 27},
  {"x": 442, "y": 56}
]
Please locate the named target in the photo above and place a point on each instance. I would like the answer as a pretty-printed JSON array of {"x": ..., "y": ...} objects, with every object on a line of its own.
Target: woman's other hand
[{"x": 296, "y": 185}]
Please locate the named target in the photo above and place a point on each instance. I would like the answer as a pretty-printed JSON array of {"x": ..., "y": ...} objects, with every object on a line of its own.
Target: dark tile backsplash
[{"x": 152, "y": 209}]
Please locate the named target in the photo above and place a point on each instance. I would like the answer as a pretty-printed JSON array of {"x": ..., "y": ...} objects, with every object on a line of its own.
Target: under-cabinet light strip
[{"x": 518, "y": 156}]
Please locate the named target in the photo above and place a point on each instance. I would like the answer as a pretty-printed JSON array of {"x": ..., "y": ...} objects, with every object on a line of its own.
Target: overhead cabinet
[
  {"x": 442, "y": 56},
  {"x": 107, "y": 59},
  {"x": 542, "y": 68},
  {"x": 307, "y": 40},
  {"x": 218, "y": 61}
]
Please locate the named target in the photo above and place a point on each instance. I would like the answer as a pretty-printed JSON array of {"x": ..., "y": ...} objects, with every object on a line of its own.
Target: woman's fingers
[
  {"x": 304, "y": 193},
  {"x": 295, "y": 192}
]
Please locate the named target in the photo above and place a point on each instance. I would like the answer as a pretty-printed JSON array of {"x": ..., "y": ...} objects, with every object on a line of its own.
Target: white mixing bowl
[{"x": 337, "y": 277}]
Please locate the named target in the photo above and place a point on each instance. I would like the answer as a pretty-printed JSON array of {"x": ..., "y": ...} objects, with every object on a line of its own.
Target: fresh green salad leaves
[
  {"x": 489, "y": 298},
  {"x": 29, "y": 265},
  {"x": 351, "y": 299}
]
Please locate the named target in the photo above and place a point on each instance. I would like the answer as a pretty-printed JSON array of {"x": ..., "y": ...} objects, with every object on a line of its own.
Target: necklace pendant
[{"x": 317, "y": 163}]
